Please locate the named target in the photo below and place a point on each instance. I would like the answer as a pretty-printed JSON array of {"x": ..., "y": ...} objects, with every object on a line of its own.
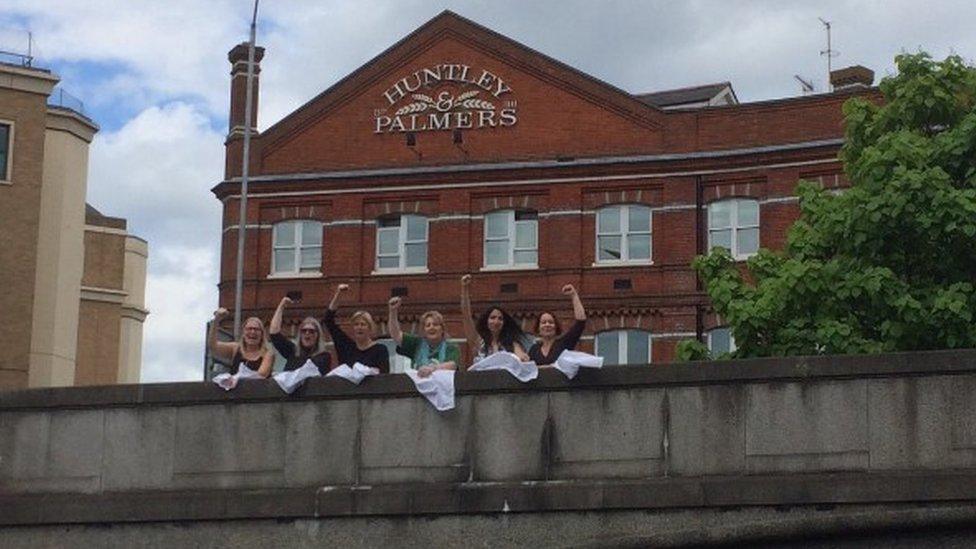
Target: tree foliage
[{"x": 887, "y": 265}]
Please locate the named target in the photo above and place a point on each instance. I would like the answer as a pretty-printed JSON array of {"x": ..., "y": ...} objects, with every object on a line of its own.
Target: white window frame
[
  {"x": 622, "y": 343},
  {"x": 708, "y": 338},
  {"x": 6, "y": 177},
  {"x": 402, "y": 242},
  {"x": 297, "y": 247},
  {"x": 734, "y": 226},
  {"x": 512, "y": 224},
  {"x": 624, "y": 235}
]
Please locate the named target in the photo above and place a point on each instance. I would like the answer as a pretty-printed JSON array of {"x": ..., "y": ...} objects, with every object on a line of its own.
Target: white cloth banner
[
  {"x": 289, "y": 381},
  {"x": 438, "y": 387},
  {"x": 569, "y": 362},
  {"x": 228, "y": 382},
  {"x": 502, "y": 360},
  {"x": 356, "y": 374}
]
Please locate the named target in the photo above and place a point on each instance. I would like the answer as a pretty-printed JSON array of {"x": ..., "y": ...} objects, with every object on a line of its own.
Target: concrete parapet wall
[{"x": 838, "y": 430}]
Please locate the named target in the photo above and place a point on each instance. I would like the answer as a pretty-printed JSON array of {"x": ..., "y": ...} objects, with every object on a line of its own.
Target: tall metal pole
[
  {"x": 245, "y": 163},
  {"x": 830, "y": 53}
]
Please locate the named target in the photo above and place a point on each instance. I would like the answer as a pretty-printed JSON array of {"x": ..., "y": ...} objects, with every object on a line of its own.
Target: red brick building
[{"x": 458, "y": 150}]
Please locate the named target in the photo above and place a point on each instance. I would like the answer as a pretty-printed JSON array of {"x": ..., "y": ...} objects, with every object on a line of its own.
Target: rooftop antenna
[
  {"x": 829, "y": 52},
  {"x": 806, "y": 86}
]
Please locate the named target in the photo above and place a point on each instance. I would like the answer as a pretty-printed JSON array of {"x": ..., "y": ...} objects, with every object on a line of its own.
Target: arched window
[
  {"x": 297, "y": 247},
  {"x": 511, "y": 238},
  {"x": 734, "y": 225},
  {"x": 720, "y": 340},
  {"x": 623, "y": 234},
  {"x": 401, "y": 243},
  {"x": 624, "y": 347}
]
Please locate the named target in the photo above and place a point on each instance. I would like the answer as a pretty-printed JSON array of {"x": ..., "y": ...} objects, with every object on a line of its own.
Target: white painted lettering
[
  {"x": 485, "y": 80},
  {"x": 486, "y": 119},
  {"x": 507, "y": 118}
]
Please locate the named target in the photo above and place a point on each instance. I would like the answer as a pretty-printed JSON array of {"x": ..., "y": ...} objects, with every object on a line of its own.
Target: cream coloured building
[{"x": 73, "y": 280}]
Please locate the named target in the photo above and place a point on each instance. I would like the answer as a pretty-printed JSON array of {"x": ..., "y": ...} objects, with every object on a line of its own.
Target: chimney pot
[{"x": 856, "y": 76}]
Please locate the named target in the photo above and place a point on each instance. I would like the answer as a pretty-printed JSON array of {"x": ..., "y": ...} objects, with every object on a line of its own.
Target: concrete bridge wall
[{"x": 894, "y": 433}]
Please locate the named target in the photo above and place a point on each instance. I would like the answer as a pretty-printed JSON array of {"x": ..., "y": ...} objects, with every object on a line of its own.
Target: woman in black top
[
  {"x": 251, "y": 349},
  {"x": 360, "y": 347},
  {"x": 495, "y": 330},
  {"x": 310, "y": 344},
  {"x": 552, "y": 341}
]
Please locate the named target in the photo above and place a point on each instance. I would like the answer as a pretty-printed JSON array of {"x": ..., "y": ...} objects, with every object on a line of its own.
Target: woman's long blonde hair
[
  {"x": 320, "y": 346},
  {"x": 264, "y": 336}
]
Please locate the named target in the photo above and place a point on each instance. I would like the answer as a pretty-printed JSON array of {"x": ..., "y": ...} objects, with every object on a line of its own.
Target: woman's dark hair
[
  {"x": 510, "y": 334},
  {"x": 559, "y": 325}
]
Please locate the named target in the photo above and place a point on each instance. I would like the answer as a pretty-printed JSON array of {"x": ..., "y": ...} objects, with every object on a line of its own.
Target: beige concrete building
[{"x": 73, "y": 279}]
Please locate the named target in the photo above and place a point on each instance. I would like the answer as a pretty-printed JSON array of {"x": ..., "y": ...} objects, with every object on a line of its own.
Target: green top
[{"x": 413, "y": 347}]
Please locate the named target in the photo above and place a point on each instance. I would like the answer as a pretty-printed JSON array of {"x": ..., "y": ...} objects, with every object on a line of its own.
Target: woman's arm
[
  {"x": 519, "y": 351},
  {"x": 579, "y": 312},
  {"x": 425, "y": 371},
  {"x": 335, "y": 297},
  {"x": 341, "y": 341},
  {"x": 267, "y": 362},
  {"x": 394, "y": 323},
  {"x": 470, "y": 332},
  {"x": 219, "y": 348},
  {"x": 275, "y": 327}
]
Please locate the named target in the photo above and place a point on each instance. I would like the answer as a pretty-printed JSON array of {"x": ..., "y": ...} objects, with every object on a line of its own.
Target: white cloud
[
  {"x": 157, "y": 172},
  {"x": 180, "y": 299}
]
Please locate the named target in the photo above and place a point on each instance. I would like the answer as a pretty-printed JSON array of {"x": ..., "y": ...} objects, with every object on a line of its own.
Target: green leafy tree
[{"x": 887, "y": 265}]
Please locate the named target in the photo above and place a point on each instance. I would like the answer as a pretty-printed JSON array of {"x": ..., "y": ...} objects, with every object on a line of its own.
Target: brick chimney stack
[
  {"x": 238, "y": 89},
  {"x": 851, "y": 77}
]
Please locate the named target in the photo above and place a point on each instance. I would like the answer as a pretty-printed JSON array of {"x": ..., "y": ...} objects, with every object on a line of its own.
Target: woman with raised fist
[
  {"x": 309, "y": 346},
  {"x": 251, "y": 349},
  {"x": 552, "y": 341},
  {"x": 429, "y": 352},
  {"x": 360, "y": 347}
]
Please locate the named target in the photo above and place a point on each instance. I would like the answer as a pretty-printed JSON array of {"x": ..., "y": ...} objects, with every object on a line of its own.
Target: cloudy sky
[{"x": 154, "y": 75}]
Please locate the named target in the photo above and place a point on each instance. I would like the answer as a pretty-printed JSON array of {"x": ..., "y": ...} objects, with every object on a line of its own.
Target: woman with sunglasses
[{"x": 309, "y": 346}]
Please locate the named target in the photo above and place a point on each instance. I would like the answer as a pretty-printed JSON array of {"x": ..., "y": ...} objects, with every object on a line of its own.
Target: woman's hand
[
  {"x": 465, "y": 281},
  {"x": 569, "y": 290},
  {"x": 426, "y": 371},
  {"x": 394, "y": 303},
  {"x": 342, "y": 287},
  {"x": 285, "y": 301},
  {"x": 221, "y": 314}
]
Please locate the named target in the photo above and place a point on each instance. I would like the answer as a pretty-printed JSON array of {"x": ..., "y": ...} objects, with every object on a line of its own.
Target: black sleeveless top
[
  {"x": 239, "y": 357},
  {"x": 286, "y": 349}
]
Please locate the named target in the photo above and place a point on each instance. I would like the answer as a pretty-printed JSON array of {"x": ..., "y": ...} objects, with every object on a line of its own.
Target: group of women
[{"x": 494, "y": 331}]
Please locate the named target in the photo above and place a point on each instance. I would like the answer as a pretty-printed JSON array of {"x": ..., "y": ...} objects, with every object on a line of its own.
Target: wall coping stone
[{"x": 727, "y": 372}]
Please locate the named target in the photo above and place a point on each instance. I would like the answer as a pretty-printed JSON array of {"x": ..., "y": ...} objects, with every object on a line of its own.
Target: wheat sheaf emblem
[{"x": 446, "y": 102}]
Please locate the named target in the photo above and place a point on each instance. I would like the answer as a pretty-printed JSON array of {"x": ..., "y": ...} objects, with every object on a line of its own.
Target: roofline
[
  {"x": 596, "y": 161},
  {"x": 448, "y": 13},
  {"x": 724, "y": 83}
]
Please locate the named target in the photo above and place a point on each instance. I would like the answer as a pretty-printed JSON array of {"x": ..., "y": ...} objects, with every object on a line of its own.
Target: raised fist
[
  {"x": 221, "y": 313},
  {"x": 287, "y": 300},
  {"x": 569, "y": 289},
  {"x": 395, "y": 303},
  {"x": 466, "y": 280},
  {"x": 342, "y": 287}
]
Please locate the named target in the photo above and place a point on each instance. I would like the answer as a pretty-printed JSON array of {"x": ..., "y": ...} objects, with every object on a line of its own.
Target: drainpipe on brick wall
[{"x": 699, "y": 250}]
